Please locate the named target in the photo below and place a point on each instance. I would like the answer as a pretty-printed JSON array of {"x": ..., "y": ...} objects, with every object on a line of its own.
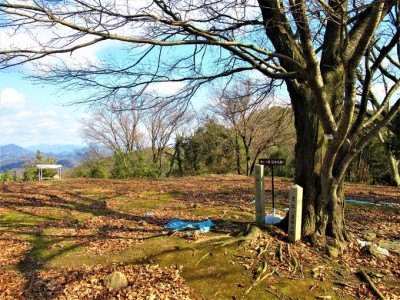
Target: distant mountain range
[
  {"x": 13, "y": 151},
  {"x": 13, "y": 156},
  {"x": 55, "y": 149}
]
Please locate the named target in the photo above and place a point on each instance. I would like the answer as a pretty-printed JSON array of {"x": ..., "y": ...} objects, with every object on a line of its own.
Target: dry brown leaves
[
  {"x": 144, "y": 282},
  {"x": 299, "y": 261},
  {"x": 111, "y": 231},
  {"x": 12, "y": 249}
]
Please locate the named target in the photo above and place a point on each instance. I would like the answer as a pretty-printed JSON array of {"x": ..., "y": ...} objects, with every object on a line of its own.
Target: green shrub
[
  {"x": 31, "y": 172},
  {"x": 7, "y": 176}
]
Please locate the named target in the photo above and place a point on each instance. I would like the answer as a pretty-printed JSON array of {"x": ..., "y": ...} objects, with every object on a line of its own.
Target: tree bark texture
[
  {"x": 394, "y": 170},
  {"x": 324, "y": 103},
  {"x": 323, "y": 198}
]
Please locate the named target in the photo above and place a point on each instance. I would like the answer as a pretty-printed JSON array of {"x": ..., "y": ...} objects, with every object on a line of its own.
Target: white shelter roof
[{"x": 49, "y": 166}]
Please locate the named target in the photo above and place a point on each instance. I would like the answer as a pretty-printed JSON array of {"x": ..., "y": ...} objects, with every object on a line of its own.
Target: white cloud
[
  {"x": 11, "y": 99},
  {"x": 24, "y": 114},
  {"x": 39, "y": 127},
  {"x": 167, "y": 88},
  {"x": 25, "y": 124}
]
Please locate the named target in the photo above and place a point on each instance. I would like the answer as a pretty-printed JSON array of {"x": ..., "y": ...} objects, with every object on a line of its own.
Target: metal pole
[{"x": 273, "y": 191}]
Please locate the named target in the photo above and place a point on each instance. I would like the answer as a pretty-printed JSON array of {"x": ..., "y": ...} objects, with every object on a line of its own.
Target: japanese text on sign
[{"x": 272, "y": 161}]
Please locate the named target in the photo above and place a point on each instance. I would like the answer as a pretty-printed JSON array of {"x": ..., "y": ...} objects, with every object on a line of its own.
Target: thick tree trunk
[
  {"x": 330, "y": 221},
  {"x": 176, "y": 156},
  {"x": 247, "y": 151},
  {"x": 179, "y": 157},
  {"x": 394, "y": 170},
  {"x": 237, "y": 153},
  {"x": 323, "y": 197},
  {"x": 393, "y": 163}
]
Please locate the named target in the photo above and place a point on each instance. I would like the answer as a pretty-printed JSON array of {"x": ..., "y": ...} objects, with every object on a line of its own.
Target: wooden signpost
[
  {"x": 295, "y": 212},
  {"x": 295, "y": 198},
  {"x": 260, "y": 194},
  {"x": 271, "y": 162}
]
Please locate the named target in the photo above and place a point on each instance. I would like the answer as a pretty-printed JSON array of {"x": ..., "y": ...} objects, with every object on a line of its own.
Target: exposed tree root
[
  {"x": 261, "y": 251},
  {"x": 203, "y": 257},
  {"x": 252, "y": 232},
  {"x": 217, "y": 238},
  {"x": 259, "y": 278},
  {"x": 294, "y": 260},
  {"x": 274, "y": 293},
  {"x": 372, "y": 286},
  {"x": 280, "y": 253}
]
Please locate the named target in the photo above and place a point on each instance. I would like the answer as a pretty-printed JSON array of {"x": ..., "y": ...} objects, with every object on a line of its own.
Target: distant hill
[
  {"x": 14, "y": 157},
  {"x": 55, "y": 149},
  {"x": 13, "y": 151}
]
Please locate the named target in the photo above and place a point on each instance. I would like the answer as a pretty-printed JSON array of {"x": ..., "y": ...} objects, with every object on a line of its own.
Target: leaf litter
[{"x": 86, "y": 211}]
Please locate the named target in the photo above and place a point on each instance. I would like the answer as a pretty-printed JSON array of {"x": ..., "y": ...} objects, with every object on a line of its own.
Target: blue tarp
[
  {"x": 178, "y": 224},
  {"x": 360, "y": 202},
  {"x": 372, "y": 203}
]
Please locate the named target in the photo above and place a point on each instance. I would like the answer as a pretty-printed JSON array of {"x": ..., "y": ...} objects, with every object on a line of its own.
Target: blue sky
[
  {"x": 33, "y": 114},
  {"x": 37, "y": 114}
]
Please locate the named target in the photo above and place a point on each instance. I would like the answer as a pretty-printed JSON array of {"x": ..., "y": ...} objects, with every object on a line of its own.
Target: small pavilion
[{"x": 41, "y": 167}]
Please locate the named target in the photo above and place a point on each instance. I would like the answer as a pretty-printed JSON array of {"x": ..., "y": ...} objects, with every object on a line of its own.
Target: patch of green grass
[
  {"x": 82, "y": 216},
  {"x": 75, "y": 255},
  {"x": 202, "y": 266},
  {"x": 315, "y": 288},
  {"x": 149, "y": 201},
  {"x": 209, "y": 211},
  {"x": 42, "y": 251},
  {"x": 94, "y": 191},
  {"x": 131, "y": 204},
  {"x": 22, "y": 219},
  {"x": 221, "y": 213},
  {"x": 158, "y": 195}
]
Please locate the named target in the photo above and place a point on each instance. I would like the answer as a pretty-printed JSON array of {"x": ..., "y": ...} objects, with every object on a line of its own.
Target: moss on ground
[
  {"x": 212, "y": 271},
  {"x": 19, "y": 219},
  {"x": 146, "y": 201}
]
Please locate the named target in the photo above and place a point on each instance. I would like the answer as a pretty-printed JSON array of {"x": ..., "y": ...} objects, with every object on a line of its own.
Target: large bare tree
[
  {"x": 258, "y": 125},
  {"x": 162, "y": 122},
  {"x": 113, "y": 129},
  {"x": 315, "y": 47}
]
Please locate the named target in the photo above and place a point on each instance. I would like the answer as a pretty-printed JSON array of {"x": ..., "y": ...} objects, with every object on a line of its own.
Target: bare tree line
[{"x": 257, "y": 123}]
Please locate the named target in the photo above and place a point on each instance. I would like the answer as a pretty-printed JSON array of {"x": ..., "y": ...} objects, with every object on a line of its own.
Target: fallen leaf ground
[{"x": 60, "y": 239}]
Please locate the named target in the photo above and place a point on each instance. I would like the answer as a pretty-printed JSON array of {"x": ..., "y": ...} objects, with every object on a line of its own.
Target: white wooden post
[
  {"x": 260, "y": 194},
  {"x": 295, "y": 211}
]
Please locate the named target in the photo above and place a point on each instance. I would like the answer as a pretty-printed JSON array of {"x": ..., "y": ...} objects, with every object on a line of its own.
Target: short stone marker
[
  {"x": 295, "y": 211},
  {"x": 116, "y": 280},
  {"x": 260, "y": 194}
]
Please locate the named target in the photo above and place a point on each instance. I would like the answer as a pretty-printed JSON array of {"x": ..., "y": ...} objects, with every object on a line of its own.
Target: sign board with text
[
  {"x": 272, "y": 161},
  {"x": 295, "y": 213}
]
